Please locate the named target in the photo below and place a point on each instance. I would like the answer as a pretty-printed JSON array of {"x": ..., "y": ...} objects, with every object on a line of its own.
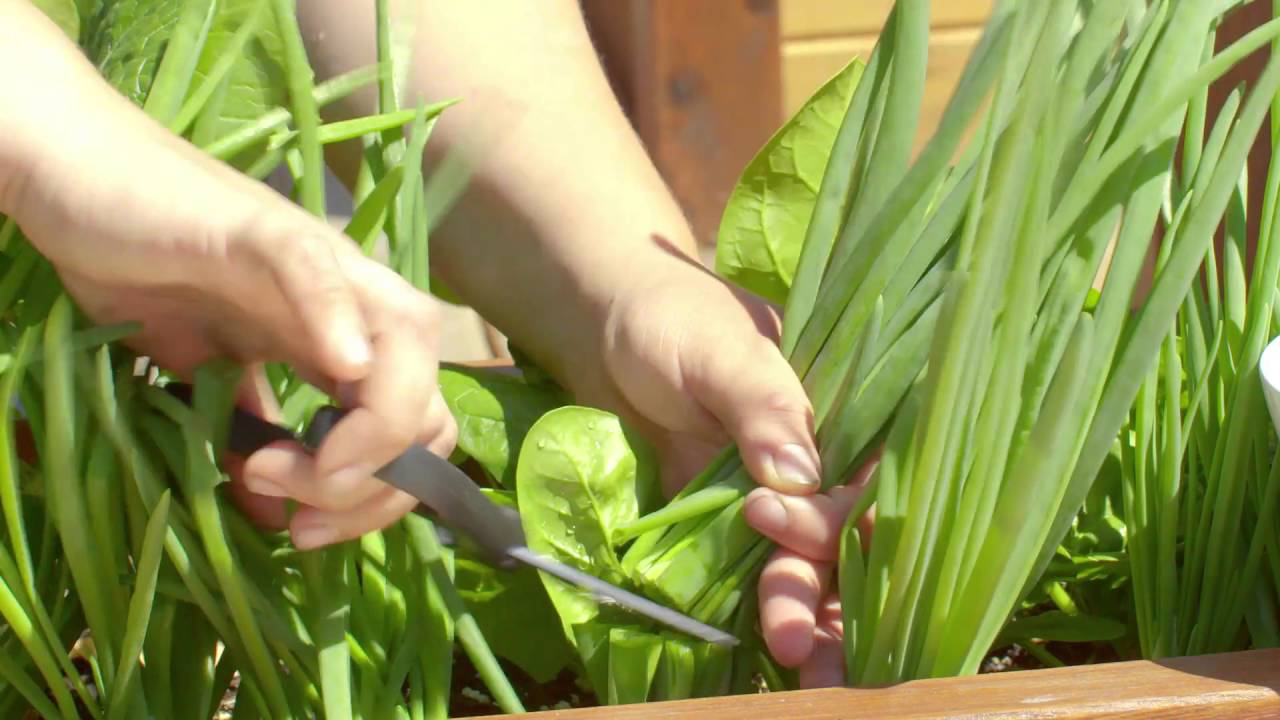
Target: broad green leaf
[
  {"x": 494, "y": 411},
  {"x": 129, "y": 41},
  {"x": 592, "y": 640},
  {"x": 633, "y": 661},
  {"x": 514, "y": 613},
  {"x": 516, "y": 616},
  {"x": 577, "y": 479},
  {"x": 255, "y": 84},
  {"x": 64, "y": 13},
  {"x": 764, "y": 222},
  {"x": 1061, "y": 627}
]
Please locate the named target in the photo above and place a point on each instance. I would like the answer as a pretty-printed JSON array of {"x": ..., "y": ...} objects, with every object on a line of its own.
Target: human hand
[
  {"x": 142, "y": 227},
  {"x": 695, "y": 363},
  {"x": 800, "y": 612}
]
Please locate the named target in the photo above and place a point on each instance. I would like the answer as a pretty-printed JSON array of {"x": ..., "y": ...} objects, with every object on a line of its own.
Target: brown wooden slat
[
  {"x": 1239, "y": 686},
  {"x": 825, "y": 18},
  {"x": 700, "y": 81},
  {"x": 807, "y": 64}
]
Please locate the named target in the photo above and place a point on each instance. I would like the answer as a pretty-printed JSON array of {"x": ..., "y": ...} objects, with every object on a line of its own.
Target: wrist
[{"x": 610, "y": 290}]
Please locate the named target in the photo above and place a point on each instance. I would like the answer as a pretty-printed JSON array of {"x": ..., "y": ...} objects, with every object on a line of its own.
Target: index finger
[{"x": 390, "y": 409}]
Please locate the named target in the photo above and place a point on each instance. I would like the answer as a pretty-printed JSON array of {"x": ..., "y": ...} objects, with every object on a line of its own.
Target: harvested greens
[{"x": 1074, "y": 443}]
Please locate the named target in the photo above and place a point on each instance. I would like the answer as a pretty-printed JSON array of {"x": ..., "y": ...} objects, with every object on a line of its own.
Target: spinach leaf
[
  {"x": 513, "y": 611},
  {"x": 64, "y": 13},
  {"x": 578, "y": 478},
  {"x": 255, "y": 84},
  {"x": 494, "y": 412},
  {"x": 128, "y": 41},
  {"x": 764, "y": 223},
  {"x": 516, "y": 617}
]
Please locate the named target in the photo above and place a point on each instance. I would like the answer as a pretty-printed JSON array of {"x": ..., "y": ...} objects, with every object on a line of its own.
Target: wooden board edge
[{"x": 1240, "y": 685}]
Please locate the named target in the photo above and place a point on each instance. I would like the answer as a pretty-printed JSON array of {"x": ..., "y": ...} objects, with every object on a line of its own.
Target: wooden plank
[
  {"x": 807, "y": 64},
  {"x": 700, "y": 81},
  {"x": 1233, "y": 28},
  {"x": 827, "y": 18},
  {"x": 1239, "y": 686}
]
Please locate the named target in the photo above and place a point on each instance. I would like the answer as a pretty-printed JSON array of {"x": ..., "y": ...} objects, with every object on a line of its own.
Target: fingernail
[
  {"x": 768, "y": 513},
  {"x": 795, "y": 468},
  {"x": 309, "y": 537},
  {"x": 264, "y": 487}
]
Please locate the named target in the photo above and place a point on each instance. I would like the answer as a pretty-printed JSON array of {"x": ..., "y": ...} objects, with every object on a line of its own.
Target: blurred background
[{"x": 707, "y": 82}]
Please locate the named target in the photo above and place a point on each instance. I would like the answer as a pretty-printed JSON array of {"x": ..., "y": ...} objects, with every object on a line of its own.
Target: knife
[{"x": 453, "y": 496}]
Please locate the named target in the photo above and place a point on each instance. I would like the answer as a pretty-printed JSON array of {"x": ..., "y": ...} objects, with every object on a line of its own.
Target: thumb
[{"x": 758, "y": 399}]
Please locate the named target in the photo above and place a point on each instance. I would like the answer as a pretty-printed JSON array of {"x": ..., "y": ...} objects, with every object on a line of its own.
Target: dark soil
[
  {"x": 1016, "y": 657},
  {"x": 470, "y": 698}
]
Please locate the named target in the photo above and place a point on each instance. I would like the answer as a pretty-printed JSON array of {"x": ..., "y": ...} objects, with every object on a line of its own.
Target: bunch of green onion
[
  {"x": 947, "y": 306},
  {"x": 1197, "y": 456}
]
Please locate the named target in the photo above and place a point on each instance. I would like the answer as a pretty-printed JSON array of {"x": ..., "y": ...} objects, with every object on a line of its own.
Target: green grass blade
[
  {"x": 427, "y": 548},
  {"x": 370, "y": 215},
  {"x": 273, "y": 121},
  {"x": 10, "y": 492},
  {"x": 306, "y": 113},
  {"x": 330, "y": 606},
  {"x": 62, "y": 473},
  {"x": 220, "y": 70},
  {"x": 181, "y": 55},
  {"x": 144, "y": 592}
]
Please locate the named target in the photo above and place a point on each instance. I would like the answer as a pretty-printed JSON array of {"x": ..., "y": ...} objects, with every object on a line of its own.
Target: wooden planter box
[{"x": 1239, "y": 686}]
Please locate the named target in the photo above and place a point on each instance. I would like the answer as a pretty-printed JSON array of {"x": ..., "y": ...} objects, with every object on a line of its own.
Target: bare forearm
[
  {"x": 563, "y": 203},
  {"x": 39, "y": 88}
]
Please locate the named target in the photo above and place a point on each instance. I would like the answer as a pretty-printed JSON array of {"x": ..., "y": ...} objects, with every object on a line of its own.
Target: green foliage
[
  {"x": 494, "y": 412},
  {"x": 65, "y": 13},
  {"x": 763, "y": 226},
  {"x": 129, "y": 40},
  {"x": 516, "y": 616},
  {"x": 120, "y": 525},
  {"x": 1061, "y": 462},
  {"x": 577, "y": 480},
  {"x": 1199, "y": 467}
]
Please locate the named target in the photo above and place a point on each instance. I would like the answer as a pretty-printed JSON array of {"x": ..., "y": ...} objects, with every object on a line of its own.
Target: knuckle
[
  {"x": 417, "y": 310},
  {"x": 789, "y": 405},
  {"x": 346, "y": 491}
]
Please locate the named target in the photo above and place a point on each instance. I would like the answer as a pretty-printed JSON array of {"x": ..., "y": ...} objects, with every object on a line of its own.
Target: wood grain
[
  {"x": 825, "y": 18},
  {"x": 807, "y": 64},
  {"x": 700, "y": 82},
  {"x": 1239, "y": 686}
]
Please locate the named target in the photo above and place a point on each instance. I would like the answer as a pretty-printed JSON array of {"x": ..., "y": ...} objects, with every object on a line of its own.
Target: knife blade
[{"x": 452, "y": 495}]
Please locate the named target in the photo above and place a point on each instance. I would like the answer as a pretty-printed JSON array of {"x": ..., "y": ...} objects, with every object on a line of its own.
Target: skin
[
  {"x": 259, "y": 280},
  {"x": 596, "y": 280}
]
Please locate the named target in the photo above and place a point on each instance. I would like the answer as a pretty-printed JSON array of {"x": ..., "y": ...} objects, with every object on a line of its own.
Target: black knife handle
[
  {"x": 248, "y": 434},
  {"x": 431, "y": 479}
]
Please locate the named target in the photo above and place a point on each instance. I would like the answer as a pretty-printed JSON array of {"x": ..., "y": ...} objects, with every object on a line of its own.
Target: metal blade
[
  {"x": 451, "y": 494},
  {"x": 629, "y": 600}
]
